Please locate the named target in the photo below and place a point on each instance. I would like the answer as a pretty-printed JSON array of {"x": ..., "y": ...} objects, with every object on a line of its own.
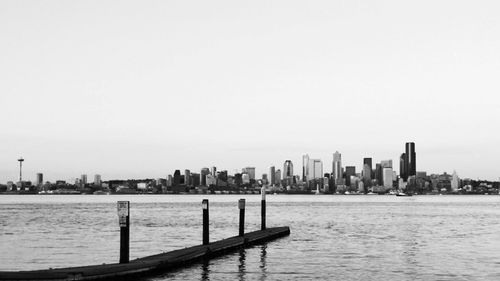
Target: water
[{"x": 332, "y": 237}]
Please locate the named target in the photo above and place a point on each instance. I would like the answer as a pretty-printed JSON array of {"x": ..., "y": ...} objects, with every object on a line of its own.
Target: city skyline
[
  {"x": 139, "y": 92},
  {"x": 309, "y": 171}
]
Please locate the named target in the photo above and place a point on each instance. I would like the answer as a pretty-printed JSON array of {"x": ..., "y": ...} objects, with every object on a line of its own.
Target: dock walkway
[{"x": 151, "y": 264}]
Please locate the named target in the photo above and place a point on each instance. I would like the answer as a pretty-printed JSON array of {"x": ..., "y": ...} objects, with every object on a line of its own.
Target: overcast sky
[{"x": 136, "y": 89}]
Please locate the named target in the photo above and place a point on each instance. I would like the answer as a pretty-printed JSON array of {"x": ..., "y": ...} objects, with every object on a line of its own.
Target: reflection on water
[
  {"x": 263, "y": 266},
  {"x": 241, "y": 264},
  {"x": 205, "y": 270}
]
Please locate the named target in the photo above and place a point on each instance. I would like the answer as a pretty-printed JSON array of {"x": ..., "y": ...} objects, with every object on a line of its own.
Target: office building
[
  {"x": 187, "y": 177},
  {"x": 97, "y": 180},
  {"x": 203, "y": 176},
  {"x": 272, "y": 174},
  {"x": 305, "y": 168},
  {"x": 83, "y": 179},
  {"x": 403, "y": 171},
  {"x": 277, "y": 177},
  {"x": 337, "y": 168},
  {"x": 287, "y": 169},
  {"x": 250, "y": 171},
  {"x": 387, "y": 178},
  {"x": 411, "y": 161},
  {"x": 349, "y": 171},
  {"x": 39, "y": 179}
]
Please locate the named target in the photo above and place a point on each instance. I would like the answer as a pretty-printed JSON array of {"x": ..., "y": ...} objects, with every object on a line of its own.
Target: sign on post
[{"x": 123, "y": 212}]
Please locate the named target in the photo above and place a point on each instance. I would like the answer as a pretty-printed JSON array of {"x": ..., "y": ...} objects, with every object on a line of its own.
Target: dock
[{"x": 151, "y": 265}]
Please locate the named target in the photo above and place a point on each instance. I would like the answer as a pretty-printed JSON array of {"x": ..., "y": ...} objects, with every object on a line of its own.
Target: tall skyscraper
[
  {"x": 278, "y": 177},
  {"x": 187, "y": 177},
  {"x": 411, "y": 156},
  {"x": 272, "y": 175},
  {"x": 305, "y": 167},
  {"x": 287, "y": 169},
  {"x": 403, "y": 171},
  {"x": 367, "y": 169},
  {"x": 214, "y": 171},
  {"x": 349, "y": 171},
  {"x": 316, "y": 169},
  {"x": 203, "y": 176},
  {"x": 337, "y": 168}
]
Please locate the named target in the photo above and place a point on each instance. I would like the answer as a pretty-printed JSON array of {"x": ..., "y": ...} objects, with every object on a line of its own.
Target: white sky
[{"x": 135, "y": 89}]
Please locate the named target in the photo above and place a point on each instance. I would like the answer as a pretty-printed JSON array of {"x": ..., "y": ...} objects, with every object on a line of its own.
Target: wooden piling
[
  {"x": 241, "y": 206},
  {"x": 204, "y": 205},
  {"x": 124, "y": 221}
]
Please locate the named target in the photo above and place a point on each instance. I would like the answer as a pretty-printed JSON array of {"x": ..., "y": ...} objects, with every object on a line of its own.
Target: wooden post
[
  {"x": 241, "y": 206},
  {"x": 263, "y": 209},
  {"x": 124, "y": 221},
  {"x": 204, "y": 205}
]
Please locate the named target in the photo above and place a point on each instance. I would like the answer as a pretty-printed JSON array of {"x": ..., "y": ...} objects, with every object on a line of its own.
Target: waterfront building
[
  {"x": 97, "y": 180},
  {"x": 211, "y": 180},
  {"x": 315, "y": 169},
  {"x": 203, "y": 176},
  {"x": 305, "y": 168},
  {"x": 388, "y": 177},
  {"x": 39, "y": 179},
  {"x": 277, "y": 177},
  {"x": 349, "y": 172},
  {"x": 287, "y": 169},
  {"x": 170, "y": 180},
  {"x": 250, "y": 171},
  {"x": 367, "y": 171},
  {"x": 264, "y": 179},
  {"x": 177, "y": 178},
  {"x": 83, "y": 179},
  {"x": 411, "y": 162},
  {"x": 379, "y": 173},
  {"x": 337, "y": 168},
  {"x": 214, "y": 171},
  {"x": 403, "y": 171},
  {"x": 245, "y": 178},
  {"x": 272, "y": 174},
  {"x": 187, "y": 177}
]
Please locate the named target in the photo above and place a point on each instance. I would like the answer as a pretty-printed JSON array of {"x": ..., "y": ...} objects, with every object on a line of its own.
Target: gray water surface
[{"x": 332, "y": 237}]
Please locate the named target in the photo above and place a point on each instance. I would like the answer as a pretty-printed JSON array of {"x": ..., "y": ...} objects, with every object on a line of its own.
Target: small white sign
[{"x": 123, "y": 212}]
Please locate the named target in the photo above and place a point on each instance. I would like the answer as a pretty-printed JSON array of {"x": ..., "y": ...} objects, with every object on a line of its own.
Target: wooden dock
[{"x": 151, "y": 264}]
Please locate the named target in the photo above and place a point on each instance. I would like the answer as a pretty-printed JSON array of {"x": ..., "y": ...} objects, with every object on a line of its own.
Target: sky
[{"x": 137, "y": 89}]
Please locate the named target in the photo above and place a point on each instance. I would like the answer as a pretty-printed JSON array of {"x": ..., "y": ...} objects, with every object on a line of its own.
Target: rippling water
[{"x": 332, "y": 237}]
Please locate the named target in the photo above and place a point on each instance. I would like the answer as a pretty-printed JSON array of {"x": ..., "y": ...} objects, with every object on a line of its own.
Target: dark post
[
  {"x": 124, "y": 221},
  {"x": 263, "y": 209},
  {"x": 204, "y": 205},
  {"x": 241, "y": 206}
]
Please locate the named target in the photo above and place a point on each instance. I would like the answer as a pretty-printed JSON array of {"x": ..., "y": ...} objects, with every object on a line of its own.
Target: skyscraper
[
  {"x": 337, "y": 168},
  {"x": 187, "y": 177},
  {"x": 39, "y": 179},
  {"x": 316, "y": 167},
  {"x": 97, "y": 180},
  {"x": 411, "y": 156},
  {"x": 83, "y": 179},
  {"x": 278, "y": 177},
  {"x": 367, "y": 169},
  {"x": 287, "y": 169},
  {"x": 272, "y": 175},
  {"x": 349, "y": 171},
  {"x": 305, "y": 167},
  {"x": 203, "y": 176},
  {"x": 402, "y": 167},
  {"x": 250, "y": 171}
]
